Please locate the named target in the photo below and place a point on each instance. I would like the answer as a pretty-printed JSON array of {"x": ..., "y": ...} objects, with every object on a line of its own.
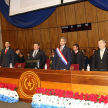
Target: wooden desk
[{"x": 77, "y": 81}]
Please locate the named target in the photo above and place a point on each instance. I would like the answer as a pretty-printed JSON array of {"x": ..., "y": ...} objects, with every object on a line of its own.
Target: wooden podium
[{"x": 28, "y": 80}]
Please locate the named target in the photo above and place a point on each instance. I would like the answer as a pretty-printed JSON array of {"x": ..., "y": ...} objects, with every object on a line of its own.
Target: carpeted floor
[{"x": 15, "y": 105}]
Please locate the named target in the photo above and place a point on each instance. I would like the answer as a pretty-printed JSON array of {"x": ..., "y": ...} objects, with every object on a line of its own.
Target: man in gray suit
[{"x": 7, "y": 55}]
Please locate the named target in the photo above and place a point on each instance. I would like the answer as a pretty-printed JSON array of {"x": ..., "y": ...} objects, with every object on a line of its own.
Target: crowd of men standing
[{"x": 61, "y": 58}]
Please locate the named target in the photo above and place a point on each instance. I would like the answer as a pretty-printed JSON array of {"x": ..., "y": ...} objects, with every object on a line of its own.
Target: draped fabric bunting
[
  {"x": 102, "y": 4},
  {"x": 25, "y": 20}
]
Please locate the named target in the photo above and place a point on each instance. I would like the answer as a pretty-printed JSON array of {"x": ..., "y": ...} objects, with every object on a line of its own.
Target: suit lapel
[
  {"x": 78, "y": 55},
  {"x": 64, "y": 49},
  {"x": 7, "y": 51},
  {"x": 37, "y": 54},
  {"x": 104, "y": 55},
  {"x": 99, "y": 55}
]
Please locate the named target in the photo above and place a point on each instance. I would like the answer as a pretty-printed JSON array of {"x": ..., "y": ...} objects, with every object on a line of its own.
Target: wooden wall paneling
[
  {"x": 87, "y": 51},
  {"x": 37, "y": 37},
  {"x": 45, "y": 24},
  {"x": 80, "y": 13},
  {"x": 29, "y": 50},
  {"x": 22, "y": 44},
  {"x": 48, "y": 52},
  {"x": 29, "y": 39},
  {"x": 24, "y": 53},
  {"x": 11, "y": 27},
  {"x": 62, "y": 35},
  {"x": 5, "y": 37},
  {"x": 45, "y": 38},
  {"x": 91, "y": 50},
  {"x": 13, "y": 39},
  {"x": 83, "y": 39},
  {"x": 61, "y": 18},
  {"x": 93, "y": 35},
  {"x": 91, "y": 14},
  {"x": 4, "y": 22},
  {"x": 72, "y": 39},
  {"x": 102, "y": 15},
  {"x": 17, "y": 28},
  {"x": 53, "y": 20},
  {"x": 37, "y": 27},
  {"x": 103, "y": 30},
  {"x": 54, "y": 39},
  {"x": 70, "y": 14}
]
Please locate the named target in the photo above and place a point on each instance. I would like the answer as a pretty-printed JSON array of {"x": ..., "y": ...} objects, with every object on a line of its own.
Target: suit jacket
[
  {"x": 28, "y": 58},
  {"x": 86, "y": 62},
  {"x": 91, "y": 59},
  {"x": 39, "y": 56},
  {"x": 8, "y": 58},
  {"x": 17, "y": 58},
  {"x": 22, "y": 59},
  {"x": 98, "y": 63},
  {"x": 80, "y": 59},
  {"x": 58, "y": 63}
]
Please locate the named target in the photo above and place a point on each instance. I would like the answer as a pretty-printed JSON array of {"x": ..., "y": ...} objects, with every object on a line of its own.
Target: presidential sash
[{"x": 62, "y": 57}]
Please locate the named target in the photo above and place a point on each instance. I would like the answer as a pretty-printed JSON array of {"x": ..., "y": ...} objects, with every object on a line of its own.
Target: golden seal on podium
[
  {"x": 71, "y": 67},
  {"x": 28, "y": 83}
]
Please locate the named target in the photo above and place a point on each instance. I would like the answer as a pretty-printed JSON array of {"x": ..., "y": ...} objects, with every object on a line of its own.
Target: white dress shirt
[
  {"x": 103, "y": 52},
  {"x": 34, "y": 54},
  {"x": 6, "y": 48},
  {"x": 62, "y": 47}
]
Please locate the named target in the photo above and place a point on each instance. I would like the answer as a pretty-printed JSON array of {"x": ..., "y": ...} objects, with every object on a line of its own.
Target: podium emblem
[{"x": 28, "y": 83}]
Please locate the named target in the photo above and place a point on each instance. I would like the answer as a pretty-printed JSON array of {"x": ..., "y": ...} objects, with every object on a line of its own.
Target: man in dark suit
[
  {"x": 22, "y": 59},
  {"x": 91, "y": 58},
  {"x": 58, "y": 61},
  {"x": 7, "y": 56},
  {"x": 86, "y": 59},
  {"x": 38, "y": 54},
  {"x": 100, "y": 57},
  {"x": 17, "y": 58},
  {"x": 78, "y": 57},
  {"x": 28, "y": 56}
]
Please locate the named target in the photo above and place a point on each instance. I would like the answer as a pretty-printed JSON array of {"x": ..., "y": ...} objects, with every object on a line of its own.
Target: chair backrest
[
  {"x": 19, "y": 65},
  {"x": 48, "y": 64},
  {"x": 74, "y": 67}
]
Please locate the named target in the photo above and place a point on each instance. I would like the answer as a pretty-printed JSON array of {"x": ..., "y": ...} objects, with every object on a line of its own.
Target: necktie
[
  {"x": 34, "y": 54},
  {"x": 5, "y": 51},
  {"x": 61, "y": 48},
  {"x": 101, "y": 54}
]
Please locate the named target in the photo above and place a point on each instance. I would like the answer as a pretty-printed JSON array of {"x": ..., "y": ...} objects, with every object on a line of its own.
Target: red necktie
[{"x": 5, "y": 51}]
